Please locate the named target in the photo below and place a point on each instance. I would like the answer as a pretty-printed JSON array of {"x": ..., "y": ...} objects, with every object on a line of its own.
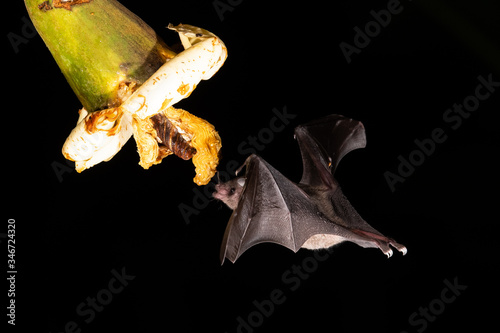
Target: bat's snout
[{"x": 219, "y": 192}]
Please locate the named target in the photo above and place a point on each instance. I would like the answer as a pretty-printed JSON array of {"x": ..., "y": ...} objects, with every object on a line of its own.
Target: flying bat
[{"x": 313, "y": 214}]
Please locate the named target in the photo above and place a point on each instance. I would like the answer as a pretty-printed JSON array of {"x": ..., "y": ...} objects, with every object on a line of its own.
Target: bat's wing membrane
[
  {"x": 323, "y": 143},
  {"x": 272, "y": 209}
]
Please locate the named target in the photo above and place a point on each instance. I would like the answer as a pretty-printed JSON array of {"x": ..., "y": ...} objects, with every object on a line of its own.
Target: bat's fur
[{"x": 229, "y": 192}]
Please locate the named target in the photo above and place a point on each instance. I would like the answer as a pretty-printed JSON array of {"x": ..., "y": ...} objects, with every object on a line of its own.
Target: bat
[{"x": 312, "y": 214}]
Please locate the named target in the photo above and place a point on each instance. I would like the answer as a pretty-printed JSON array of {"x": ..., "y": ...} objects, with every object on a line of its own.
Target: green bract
[{"x": 98, "y": 45}]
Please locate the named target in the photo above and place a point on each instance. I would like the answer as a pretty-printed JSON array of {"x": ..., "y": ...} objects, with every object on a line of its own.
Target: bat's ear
[{"x": 241, "y": 181}]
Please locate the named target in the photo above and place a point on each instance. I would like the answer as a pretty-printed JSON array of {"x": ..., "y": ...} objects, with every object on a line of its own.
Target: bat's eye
[{"x": 232, "y": 190}]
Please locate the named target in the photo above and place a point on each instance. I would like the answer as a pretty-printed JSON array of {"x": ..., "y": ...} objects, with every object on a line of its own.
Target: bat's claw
[
  {"x": 401, "y": 248},
  {"x": 382, "y": 242},
  {"x": 384, "y": 247},
  {"x": 388, "y": 252}
]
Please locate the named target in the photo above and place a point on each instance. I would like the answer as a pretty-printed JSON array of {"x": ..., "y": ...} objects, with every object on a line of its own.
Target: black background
[{"x": 72, "y": 232}]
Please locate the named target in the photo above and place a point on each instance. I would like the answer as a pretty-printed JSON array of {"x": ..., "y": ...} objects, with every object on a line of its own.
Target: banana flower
[{"x": 128, "y": 81}]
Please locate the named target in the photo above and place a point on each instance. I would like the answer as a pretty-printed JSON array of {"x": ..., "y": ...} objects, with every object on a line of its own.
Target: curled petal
[
  {"x": 204, "y": 139},
  {"x": 188, "y": 136},
  {"x": 97, "y": 137},
  {"x": 147, "y": 145},
  {"x": 178, "y": 77}
]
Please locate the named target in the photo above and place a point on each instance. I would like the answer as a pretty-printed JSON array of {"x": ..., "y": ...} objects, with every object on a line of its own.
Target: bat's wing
[
  {"x": 323, "y": 143},
  {"x": 273, "y": 209}
]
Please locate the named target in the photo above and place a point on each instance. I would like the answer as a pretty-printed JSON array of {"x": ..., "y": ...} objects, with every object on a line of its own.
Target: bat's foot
[
  {"x": 384, "y": 246},
  {"x": 401, "y": 248},
  {"x": 382, "y": 242},
  {"x": 387, "y": 252}
]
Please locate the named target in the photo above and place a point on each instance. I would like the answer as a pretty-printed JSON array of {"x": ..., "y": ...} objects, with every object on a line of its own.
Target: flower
[{"x": 128, "y": 81}]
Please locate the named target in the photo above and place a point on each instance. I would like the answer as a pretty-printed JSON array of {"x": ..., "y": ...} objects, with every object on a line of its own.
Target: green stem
[{"x": 99, "y": 46}]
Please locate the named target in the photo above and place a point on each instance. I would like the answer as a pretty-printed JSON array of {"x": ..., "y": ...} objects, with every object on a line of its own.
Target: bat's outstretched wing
[
  {"x": 323, "y": 143},
  {"x": 273, "y": 209}
]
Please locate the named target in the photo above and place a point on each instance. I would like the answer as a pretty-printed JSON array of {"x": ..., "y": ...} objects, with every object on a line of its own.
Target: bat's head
[{"x": 230, "y": 192}]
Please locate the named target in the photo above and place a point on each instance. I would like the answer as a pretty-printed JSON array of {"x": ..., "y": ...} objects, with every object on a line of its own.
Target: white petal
[{"x": 178, "y": 77}]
